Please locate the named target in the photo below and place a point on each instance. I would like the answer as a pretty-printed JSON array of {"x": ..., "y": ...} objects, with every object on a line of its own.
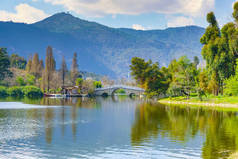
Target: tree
[
  {"x": 35, "y": 66},
  {"x": 41, "y": 66},
  {"x": 97, "y": 84},
  {"x": 63, "y": 70},
  {"x": 28, "y": 65},
  {"x": 184, "y": 77},
  {"x": 196, "y": 61},
  {"x": 210, "y": 51},
  {"x": 30, "y": 79},
  {"x": 235, "y": 11},
  {"x": 17, "y": 61},
  {"x": 138, "y": 69},
  {"x": 4, "y": 64},
  {"x": 49, "y": 67},
  {"x": 149, "y": 76},
  {"x": 20, "y": 81},
  {"x": 74, "y": 69}
]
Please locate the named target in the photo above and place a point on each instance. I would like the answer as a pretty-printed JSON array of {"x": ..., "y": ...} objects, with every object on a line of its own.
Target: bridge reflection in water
[{"x": 110, "y": 90}]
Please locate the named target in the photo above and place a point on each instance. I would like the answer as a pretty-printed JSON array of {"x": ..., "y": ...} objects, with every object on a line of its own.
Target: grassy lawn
[{"x": 208, "y": 99}]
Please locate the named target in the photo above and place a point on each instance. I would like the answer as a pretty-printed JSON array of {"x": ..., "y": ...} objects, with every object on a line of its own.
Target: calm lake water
[{"x": 113, "y": 128}]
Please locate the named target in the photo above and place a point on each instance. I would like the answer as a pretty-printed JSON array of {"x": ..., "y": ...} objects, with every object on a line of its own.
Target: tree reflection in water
[{"x": 181, "y": 124}]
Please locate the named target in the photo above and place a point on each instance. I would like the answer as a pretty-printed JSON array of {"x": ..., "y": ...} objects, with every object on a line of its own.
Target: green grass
[{"x": 209, "y": 99}]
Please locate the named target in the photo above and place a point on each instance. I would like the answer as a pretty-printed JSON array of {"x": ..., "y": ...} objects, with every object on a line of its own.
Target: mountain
[{"x": 101, "y": 49}]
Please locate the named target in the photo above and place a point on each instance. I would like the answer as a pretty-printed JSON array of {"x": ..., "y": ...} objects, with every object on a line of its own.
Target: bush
[
  {"x": 97, "y": 84},
  {"x": 15, "y": 91},
  {"x": 32, "y": 91},
  {"x": 121, "y": 91},
  {"x": 3, "y": 91},
  {"x": 20, "y": 81}
]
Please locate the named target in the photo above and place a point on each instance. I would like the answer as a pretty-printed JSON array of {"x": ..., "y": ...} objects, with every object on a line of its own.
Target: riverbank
[{"x": 212, "y": 101}]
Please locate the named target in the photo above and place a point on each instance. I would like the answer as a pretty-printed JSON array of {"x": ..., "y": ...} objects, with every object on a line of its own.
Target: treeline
[
  {"x": 16, "y": 71},
  {"x": 183, "y": 77}
]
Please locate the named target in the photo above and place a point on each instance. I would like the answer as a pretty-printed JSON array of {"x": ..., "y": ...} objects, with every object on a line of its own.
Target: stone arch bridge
[{"x": 110, "y": 90}]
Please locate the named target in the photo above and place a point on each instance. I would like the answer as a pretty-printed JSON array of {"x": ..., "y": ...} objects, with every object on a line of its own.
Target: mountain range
[{"x": 101, "y": 49}]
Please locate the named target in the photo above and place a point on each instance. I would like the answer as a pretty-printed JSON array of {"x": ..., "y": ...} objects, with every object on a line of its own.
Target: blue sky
[{"x": 137, "y": 14}]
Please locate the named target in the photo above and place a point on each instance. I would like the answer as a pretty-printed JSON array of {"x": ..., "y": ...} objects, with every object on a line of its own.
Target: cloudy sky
[{"x": 137, "y": 14}]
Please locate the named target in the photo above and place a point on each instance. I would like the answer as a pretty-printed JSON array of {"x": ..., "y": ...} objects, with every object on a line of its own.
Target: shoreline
[{"x": 203, "y": 104}]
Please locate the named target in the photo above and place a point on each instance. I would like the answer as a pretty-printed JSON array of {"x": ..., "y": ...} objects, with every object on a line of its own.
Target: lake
[{"x": 117, "y": 127}]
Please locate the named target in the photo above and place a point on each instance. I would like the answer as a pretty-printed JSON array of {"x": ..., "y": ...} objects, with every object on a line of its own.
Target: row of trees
[
  {"x": 16, "y": 71},
  {"x": 180, "y": 78},
  {"x": 220, "y": 51},
  {"x": 46, "y": 76}
]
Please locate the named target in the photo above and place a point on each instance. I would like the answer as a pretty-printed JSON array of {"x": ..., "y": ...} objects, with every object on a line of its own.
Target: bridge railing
[{"x": 119, "y": 87}]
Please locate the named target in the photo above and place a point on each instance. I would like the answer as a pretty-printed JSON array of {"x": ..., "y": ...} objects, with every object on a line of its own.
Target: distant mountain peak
[{"x": 65, "y": 22}]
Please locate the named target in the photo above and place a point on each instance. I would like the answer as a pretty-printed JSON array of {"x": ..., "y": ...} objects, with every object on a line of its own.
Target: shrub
[
  {"x": 121, "y": 91},
  {"x": 231, "y": 86},
  {"x": 32, "y": 91},
  {"x": 79, "y": 82},
  {"x": 30, "y": 79},
  {"x": 15, "y": 91},
  {"x": 20, "y": 81},
  {"x": 97, "y": 84},
  {"x": 3, "y": 91}
]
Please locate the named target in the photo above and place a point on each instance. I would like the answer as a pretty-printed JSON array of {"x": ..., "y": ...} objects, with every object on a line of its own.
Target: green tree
[
  {"x": 98, "y": 84},
  {"x": 196, "y": 61},
  {"x": 4, "y": 64},
  {"x": 149, "y": 76},
  {"x": 74, "y": 69},
  {"x": 184, "y": 77},
  {"x": 17, "y": 61},
  {"x": 30, "y": 79},
  {"x": 211, "y": 52},
  {"x": 20, "y": 81},
  {"x": 63, "y": 70}
]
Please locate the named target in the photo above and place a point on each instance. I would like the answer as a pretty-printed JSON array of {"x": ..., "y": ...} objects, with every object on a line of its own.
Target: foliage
[
  {"x": 3, "y": 91},
  {"x": 184, "y": 77},
  {"x": 4, "y": 64},
  {"x": 49, "y": 68},
  {"x": 74, "y": 69},
  {"x": 231, "y": 84},
  {"x": 20, "y": 81},
  {"x": 149, "y": 75},
  {"x": 121, "y": 91},
  {"x": 63, "y": 70},
  {"x": 97, "y": 84},
  {"x": 88, "y": 87},
  {"x": 79, "y": 82},
  {"x": 17, "y": 61},
  {"x": 30, "y": 79},
  {"x": 15, "y": 91},
  {"x": 32, "y": 91}
]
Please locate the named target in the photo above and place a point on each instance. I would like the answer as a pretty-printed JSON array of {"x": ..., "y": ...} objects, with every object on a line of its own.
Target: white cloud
[
  {"x": 24, "y": 13},
  {"x": 138, "y": 27},
  {"x": 180, "y": 21},
  {"x": 134, "y": 7}
]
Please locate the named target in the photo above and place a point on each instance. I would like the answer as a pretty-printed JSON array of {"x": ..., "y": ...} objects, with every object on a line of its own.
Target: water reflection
[
  {"x": 182, "y": 124},
  {"x": 102, "y": 127}
]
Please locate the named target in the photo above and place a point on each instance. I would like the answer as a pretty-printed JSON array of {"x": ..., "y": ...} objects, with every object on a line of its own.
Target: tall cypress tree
[
  {"x": 210, "y": 51},
  {"x": 74, "y": 69},
  {"x": 28, "y": 65},
  {"x": 35, "y": 65},
  {"x": 49, "y": 67},
  {"x": 63, "y": 70}
]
